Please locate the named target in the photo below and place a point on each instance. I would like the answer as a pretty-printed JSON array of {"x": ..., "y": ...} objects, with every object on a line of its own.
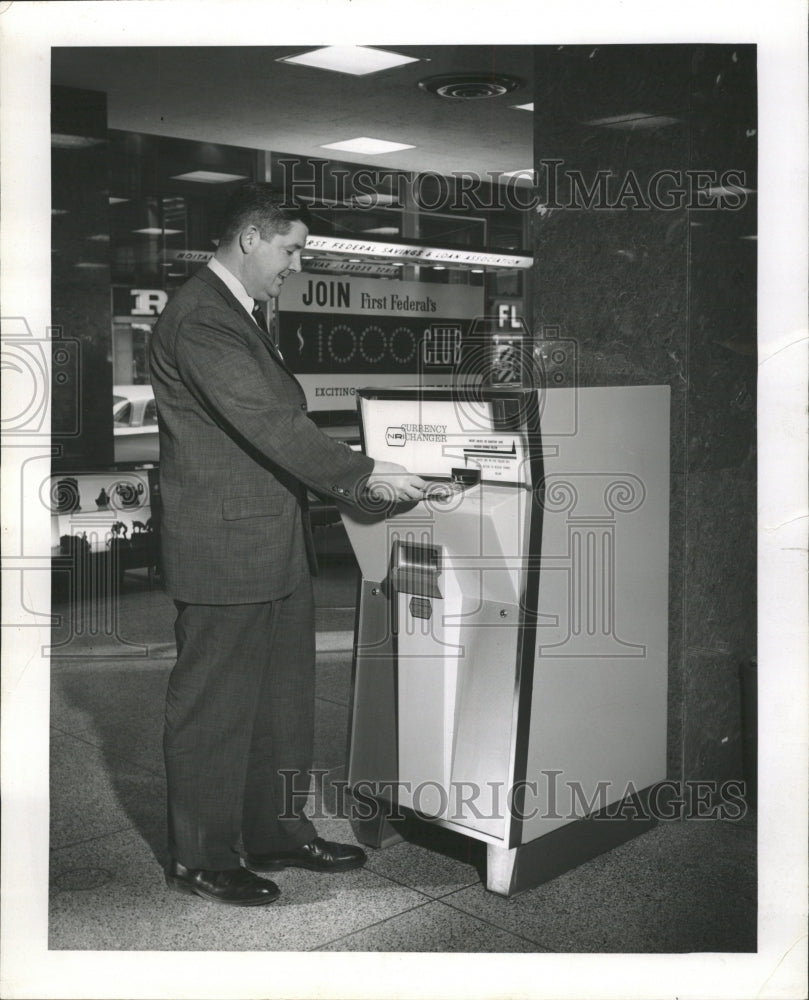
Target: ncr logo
[{"x": 395, "y": 437}]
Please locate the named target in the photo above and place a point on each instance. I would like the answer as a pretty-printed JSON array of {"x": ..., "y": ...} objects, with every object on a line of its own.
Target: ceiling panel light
[
  {"x": 358, "y": 60},
  {"x": 366, "y": 145},
  {"x": 523, "y": 107},
  {"x": 208, "y": 177}
]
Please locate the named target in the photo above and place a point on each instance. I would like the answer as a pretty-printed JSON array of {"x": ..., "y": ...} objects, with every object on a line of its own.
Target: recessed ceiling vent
[{"x": 470, "y": 86}]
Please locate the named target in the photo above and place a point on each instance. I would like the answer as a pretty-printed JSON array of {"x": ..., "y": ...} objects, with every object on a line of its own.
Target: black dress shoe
[
  {"x": 234, "y": 886},
  {"x": 319, "y": 856}
]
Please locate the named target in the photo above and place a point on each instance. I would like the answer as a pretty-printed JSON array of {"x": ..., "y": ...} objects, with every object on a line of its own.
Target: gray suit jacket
[{"x": 236, "y": 452}]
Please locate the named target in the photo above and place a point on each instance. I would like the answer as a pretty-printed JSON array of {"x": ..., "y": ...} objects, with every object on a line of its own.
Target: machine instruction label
[{"x": 435, "y": 436}]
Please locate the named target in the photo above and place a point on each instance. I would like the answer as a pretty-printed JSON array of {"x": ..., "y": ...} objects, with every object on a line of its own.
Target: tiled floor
[{"x": 684, "y": 886}]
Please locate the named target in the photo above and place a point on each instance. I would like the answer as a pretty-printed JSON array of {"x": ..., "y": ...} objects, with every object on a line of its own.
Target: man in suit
[{"x": 237, "y": 453}]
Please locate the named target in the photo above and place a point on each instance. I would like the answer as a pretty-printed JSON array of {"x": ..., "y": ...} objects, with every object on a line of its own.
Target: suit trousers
[{"x": 240, "y": 709}]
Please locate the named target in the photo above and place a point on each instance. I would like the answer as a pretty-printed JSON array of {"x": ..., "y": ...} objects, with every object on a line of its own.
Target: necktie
[
  {"x": 259, "y": 317},
  {"x": 261, "y": 320}
]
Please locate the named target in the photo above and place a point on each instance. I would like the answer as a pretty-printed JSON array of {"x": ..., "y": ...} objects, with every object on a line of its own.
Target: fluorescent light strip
[
  {"x": 637, "y": 119},
  {"x": 208, "y": 177},
  {"x": 371, "y": 200},
  {"x": 523, "y": 107},
  {"x": 152, "y": 231},
  {"x": 724, "y": 191},
  {"x": 61, "y": 141},
  {"x": 365, "y": 144},
  {"x": 523, "y": 175},
  {"x": 356, "y": 60}
]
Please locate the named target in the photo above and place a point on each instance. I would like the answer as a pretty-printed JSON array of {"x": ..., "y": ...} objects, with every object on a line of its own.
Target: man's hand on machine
[{"x": 390, "y": 482}]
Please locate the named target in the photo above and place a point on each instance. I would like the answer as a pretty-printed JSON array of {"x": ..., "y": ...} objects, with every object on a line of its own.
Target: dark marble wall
[
  {"x": 81, "y": 383},
  {"x": 644, "y": 238}
]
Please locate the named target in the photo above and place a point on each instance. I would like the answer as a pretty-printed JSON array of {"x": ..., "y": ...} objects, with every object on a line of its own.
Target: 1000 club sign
[{"x": 383, "y": 345}]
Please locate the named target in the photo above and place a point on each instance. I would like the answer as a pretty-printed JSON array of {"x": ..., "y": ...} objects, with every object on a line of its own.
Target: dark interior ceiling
[{"x": 243, "y": 96}]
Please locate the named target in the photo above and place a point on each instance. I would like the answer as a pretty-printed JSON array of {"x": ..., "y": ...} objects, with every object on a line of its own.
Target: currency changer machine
[{"x": 511, "y": 640}]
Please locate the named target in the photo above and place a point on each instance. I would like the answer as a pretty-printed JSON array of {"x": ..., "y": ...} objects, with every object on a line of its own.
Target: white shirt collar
[{"x": 233, "y": 284}]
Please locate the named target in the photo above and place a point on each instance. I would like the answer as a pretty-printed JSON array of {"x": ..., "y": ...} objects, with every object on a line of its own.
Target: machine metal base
[
  {"x": 386, "y": 829},
  {"x": 378, "y": 831},
  {"x": 513, "y": 870},
  {"x": 509, "y": 871}
]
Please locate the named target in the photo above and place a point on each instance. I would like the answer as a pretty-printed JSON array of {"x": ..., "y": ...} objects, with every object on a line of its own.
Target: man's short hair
[{"x": 261, "y": 205}]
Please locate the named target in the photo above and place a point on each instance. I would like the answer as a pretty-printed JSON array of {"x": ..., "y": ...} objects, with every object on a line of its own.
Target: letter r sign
[{"x": 148, "y": 301}]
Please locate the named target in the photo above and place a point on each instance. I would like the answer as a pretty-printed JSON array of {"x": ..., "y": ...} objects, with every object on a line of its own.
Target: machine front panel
[{"x": 454, "y": 568}]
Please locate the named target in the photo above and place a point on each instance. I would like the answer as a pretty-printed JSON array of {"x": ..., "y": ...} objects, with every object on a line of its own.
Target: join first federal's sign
[{"x": 341, "y": 334}]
